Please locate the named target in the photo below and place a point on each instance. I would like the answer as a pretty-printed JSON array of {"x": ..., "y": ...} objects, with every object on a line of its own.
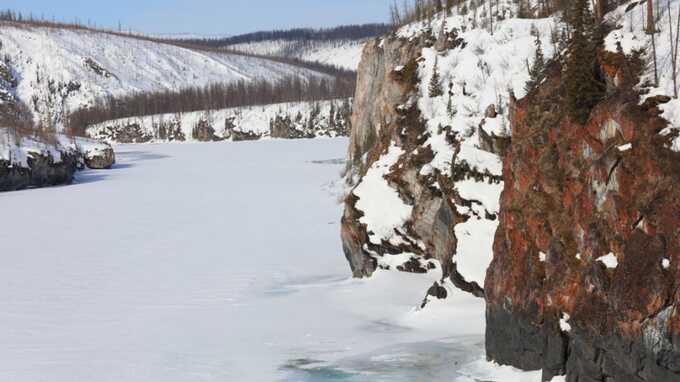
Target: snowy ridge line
[{"x": 319, "y": 66}]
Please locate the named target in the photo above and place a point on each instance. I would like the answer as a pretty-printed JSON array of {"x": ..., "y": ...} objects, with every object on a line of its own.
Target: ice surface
[{"x": 203, "y": 262}]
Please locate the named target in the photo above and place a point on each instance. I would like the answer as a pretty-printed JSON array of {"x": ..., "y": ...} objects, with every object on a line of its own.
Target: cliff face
[
  {"x": 42, "y": 170},
  {"x": 585, "y": 268},
  {"x": 583, "y": 280},
  {"x": 425, "y": 165}
]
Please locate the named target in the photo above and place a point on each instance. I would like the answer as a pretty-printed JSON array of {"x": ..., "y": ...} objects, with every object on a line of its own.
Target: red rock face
[{"x": 576, "y": 193}]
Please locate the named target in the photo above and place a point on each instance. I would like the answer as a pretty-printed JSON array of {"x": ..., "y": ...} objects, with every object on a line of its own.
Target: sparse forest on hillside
[
  {"x": 345, "y": 32},
  {"x": 213, "y": 97}
]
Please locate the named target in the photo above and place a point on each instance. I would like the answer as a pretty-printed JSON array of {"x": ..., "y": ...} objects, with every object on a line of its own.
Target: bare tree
[{"x": 674, "y": 40}]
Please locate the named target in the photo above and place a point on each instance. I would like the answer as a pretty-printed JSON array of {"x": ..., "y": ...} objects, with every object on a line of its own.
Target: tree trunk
[{"x": 651, "y": 27}]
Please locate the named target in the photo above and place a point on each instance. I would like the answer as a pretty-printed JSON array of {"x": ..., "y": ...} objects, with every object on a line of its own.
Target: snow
[
  {"x": 486, "y": 193},
  {"x": 255, "y": 119},
  {"x": 17, "y": 149},
  {"x": 475, "y": 248},
  {"x": 542, "y": 257},
  {"x": 625, "y": 147},
  {"x": 482, "y": 73},
  {"x": 482, "y": 370},
  {"x": 384, "y": 210},
  {"x": 632, "y": 37},
  {"x": 49, "y": 58},
  {"x": 345, "y": 54},
  {"x": 610, "y": 261},
  {"x": 181, "y": 264},
  {"x": 564, "y": 323},
  {"x": 665, "y": 263}
]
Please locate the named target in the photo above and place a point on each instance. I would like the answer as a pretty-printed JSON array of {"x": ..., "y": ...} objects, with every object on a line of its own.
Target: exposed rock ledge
[
  {"x": 29, "y": 162},
  {"x": 585, "y": 269}
]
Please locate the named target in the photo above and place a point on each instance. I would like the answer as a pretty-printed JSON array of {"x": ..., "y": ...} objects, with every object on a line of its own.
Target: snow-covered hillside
[
  {"x": 61, "y": 70},
  {"x": 286, "y": 120},
  {"x": 345, "y": 54}
]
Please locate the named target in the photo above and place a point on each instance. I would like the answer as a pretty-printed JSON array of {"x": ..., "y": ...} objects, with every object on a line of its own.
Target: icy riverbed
[{"x": 214, "y": 262}]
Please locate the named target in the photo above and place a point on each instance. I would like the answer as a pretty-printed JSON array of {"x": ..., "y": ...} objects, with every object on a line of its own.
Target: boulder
[{"x": 100, "y": 158}]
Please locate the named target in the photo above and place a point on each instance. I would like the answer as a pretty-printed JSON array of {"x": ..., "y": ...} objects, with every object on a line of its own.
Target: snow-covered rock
[
  {"x": 437, "y": 157},
  {"x": 286, "y": 120},
  {"x": 28, "y": 160}
]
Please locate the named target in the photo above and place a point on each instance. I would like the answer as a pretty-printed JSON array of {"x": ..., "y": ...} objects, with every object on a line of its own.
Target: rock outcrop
[
  {"x": 286, "y": 121},
  {"x": 101, "y": 157},
  {"x": 42, "y": 170},
  {"x": 415, "y": 169},
  {"x": 584, "y": 276},
  {"x": 584, "y": 279},
  {"x": 31, "y": 160}
]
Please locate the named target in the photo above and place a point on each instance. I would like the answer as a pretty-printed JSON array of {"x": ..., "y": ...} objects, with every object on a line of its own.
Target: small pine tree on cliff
[
  {"x": 435, "y": 88},
  {"x": 538, "y": 66},
  {"x": 583, "y": 88},
  {"x": 450, "y": 108}
]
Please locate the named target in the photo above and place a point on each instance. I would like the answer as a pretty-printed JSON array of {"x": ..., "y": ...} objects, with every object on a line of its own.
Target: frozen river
[{"x": 213, "y": 262}]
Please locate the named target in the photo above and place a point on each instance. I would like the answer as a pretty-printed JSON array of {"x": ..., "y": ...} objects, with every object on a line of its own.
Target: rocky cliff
[
  {"x": 425, "y": 166},
  {"x": 29, "y": 161},
  {"x": 585, "y": 268},
  {"x": 578, "y": 258}
]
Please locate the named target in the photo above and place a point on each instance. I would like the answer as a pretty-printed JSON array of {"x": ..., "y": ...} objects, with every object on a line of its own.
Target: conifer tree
[
  {"x": 538, "y": 66},
  {"x": 450, "y": 109},
  {"x": 435, "y": 88},
  {"x": 449, "y": 7},
  {"x": 582, "y": 85}
]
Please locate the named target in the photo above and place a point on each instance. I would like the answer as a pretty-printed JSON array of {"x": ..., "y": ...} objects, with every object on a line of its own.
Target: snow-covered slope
[
  {"x": 449, "y": 146},
  {"x": 60, "y": 70},
  {"x": 345, "y": 54},
  {"x": 630, "y": 36},
  {"x": 285, "y": 120}
]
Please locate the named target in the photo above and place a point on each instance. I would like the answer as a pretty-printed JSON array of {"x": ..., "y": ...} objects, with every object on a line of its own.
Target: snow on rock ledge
[
  {"x": 27, "y": 162},
  {"x": 438, "y": 166},
  {"x": 285, "y": 120}
]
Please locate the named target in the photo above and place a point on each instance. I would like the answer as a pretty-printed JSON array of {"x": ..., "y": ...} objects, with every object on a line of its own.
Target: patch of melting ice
[
  {"x": 423, "y": 361},
  {"x": 296, "y": 284},
  {"x": 336, "y": 161}
]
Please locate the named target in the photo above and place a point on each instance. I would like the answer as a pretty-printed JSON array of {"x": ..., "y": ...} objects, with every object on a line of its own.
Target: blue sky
[{"x": 207, "y": 17}]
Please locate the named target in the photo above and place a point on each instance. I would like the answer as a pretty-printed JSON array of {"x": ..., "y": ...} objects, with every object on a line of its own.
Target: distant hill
[
  {"x": 340, "y": 46},
  {"x": 56, "y": 69}
]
